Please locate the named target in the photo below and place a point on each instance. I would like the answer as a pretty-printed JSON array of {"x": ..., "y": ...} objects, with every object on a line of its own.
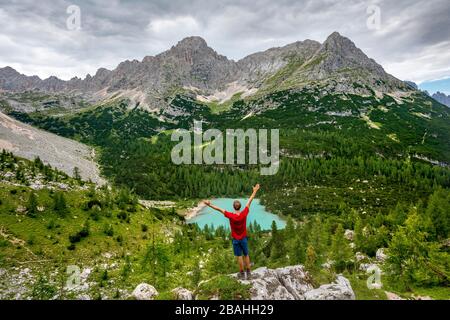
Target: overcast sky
[{"x": 412, "y": 41}]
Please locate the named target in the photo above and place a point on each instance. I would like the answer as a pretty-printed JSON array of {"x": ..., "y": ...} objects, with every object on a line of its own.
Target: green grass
[
  {"x": 362, "y": 292},
  {"x": 217, "y": 108},
  {"x": 224, "y": 287},
  {"x": 437, "y": 293}
]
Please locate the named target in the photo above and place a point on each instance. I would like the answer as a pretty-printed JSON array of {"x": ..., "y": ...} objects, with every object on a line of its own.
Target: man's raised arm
[
  {"x": 208, "y": 203},
  {"x": 255, "y": 190}
]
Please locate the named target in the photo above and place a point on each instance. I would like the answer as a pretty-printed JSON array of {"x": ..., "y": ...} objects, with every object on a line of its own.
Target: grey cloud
[{"x": 412, "y": 31}]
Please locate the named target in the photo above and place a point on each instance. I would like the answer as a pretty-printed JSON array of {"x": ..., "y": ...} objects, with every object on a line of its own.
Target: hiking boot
[
  {"x": 241, "y": 275},
  {"x": 248, "y": 274}
]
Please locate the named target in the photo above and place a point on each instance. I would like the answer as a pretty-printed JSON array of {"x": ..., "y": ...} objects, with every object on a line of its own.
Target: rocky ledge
[
  {"x": 294, "y": 283},
  {"x": 288, "y": 283}
]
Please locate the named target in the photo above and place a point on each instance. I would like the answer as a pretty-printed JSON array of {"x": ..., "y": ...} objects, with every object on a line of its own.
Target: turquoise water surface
[{"x": 258, "y": 213}]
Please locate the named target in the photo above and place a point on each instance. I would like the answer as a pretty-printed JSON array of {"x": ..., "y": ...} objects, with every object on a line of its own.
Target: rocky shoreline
[{"x": 193, "y": 212}]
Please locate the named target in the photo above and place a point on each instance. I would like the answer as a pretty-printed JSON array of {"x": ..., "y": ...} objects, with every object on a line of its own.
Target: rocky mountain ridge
[
  {"x": 442, "y": 98},
  {"x": 191, "y": 65}
]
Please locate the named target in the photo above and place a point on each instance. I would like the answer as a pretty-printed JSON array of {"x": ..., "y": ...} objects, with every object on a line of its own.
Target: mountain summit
[{"x": 337, "y": 64}]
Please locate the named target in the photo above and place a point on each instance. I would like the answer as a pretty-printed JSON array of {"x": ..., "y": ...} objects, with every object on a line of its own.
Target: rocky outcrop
[
  {"x": 144, "y": 291},
  {"x": 442, "y": 98},
  {"x": 182, "y": 294},
  {"x": 381, "y": 254},
  {"x": 294, "y": 283},
  {"x": 349, "y": 235},
  {"x": 339, "y": 290}
]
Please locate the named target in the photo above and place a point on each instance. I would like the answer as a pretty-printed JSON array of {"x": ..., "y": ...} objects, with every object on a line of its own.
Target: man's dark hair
[{"x": 236, "y": 205}]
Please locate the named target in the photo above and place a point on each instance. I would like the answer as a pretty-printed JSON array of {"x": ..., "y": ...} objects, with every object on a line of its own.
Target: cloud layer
[{"x": 412, "y": 41}]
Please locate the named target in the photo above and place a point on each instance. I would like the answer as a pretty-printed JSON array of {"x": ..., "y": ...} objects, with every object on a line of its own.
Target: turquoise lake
[{"x": 258, "y": 213}]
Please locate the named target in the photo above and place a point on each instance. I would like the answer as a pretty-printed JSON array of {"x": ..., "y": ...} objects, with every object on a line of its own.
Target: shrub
[
  {"x": 43, "y": 290},
  {"x": 32, "y": 205},
  {"x": 122, "y": 215},
  {"x": 108, "y": 230},
  {"x": 144, "y": 228},
  {"x": 74, "y": 238},
  {"x": 83, "y": 233},
  {"x": 225, "y": 287}
]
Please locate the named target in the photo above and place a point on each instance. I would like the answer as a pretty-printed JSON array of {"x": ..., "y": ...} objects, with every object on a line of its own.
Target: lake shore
[{"x": 193, "y": 212}]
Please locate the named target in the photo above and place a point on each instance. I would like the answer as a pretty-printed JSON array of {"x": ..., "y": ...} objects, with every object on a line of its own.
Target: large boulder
[
  {"x": 294, "y": 283},
  {"x": 349, "y": 235},
  {"x": 381, "y": 254},
  {"x": 144, "y": 291},
  {"x": 339, "y": 290},
  {"x": 182, "y": 294},
  {"x": 266, "y": 286},
  {"x": 295, "y": 279},
  {"x": 360, "y": 256}
]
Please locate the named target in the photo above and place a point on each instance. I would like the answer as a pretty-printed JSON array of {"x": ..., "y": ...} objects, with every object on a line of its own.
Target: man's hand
[
  {"x": 255, "y": 189},
  {"x": 208, "y": 203}
]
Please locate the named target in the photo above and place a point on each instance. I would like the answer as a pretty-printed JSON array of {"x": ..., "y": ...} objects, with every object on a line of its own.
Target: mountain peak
[
  {"x": 192, "y": 42},
  {"x": 9, "y": 71},
  {"x": 337, "y": 40}
]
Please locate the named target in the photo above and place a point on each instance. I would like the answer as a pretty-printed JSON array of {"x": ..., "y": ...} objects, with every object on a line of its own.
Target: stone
[
  {"x": 266, "y": 286},
  {"x": 183, "y": 294},
  {"x": 367, "y": 266},
  {"x": 349, "y": 235},
  {"x": 339, "y": 290},
  {"x": 393, "y": 296},
  {"x": 360, "y": 256},
  {"x": 144, "y": 291},
  {"x": 381, "y": 254},
  {"x": 294, "y": 283},
  {"x": 296, "y": 280}
]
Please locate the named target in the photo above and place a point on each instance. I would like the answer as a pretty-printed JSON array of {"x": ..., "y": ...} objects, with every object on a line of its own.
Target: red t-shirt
[{"x": 238, "y": 223}]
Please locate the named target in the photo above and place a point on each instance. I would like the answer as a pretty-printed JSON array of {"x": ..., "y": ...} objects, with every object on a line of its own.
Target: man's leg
[
  {"x": 247, "y": 262},
  {"x": 241, "y": 263},
  {"x": 238, "y": 254}
]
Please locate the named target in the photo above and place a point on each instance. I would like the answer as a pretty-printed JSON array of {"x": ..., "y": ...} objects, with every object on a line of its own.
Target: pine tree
[
  {"x": 289, "y": 230},
  {"x": 76, "y": 174},
  {"x": 412, "y": 260},
  {"x": 311, "y": 258},
  {"x": 341, "y": 252},
  {"x": 60, "y": 204},
  {"x": 438, "y": 213},
  {"x": 277, "y": 250},
  {"x": 32, "y": 205},
  {"x": 298, "y": 251}
]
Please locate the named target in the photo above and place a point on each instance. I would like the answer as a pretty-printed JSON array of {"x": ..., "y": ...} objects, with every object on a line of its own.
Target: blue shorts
[{"x": 240, "y": 247}]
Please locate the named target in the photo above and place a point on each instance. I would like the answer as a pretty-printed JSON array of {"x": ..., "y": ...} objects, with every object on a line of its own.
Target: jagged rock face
[
  {"x": 256, "y": 67},
  {"x": 294, "y": 283},
  {"x": 191, "y": 65},
  {"x": 339, "y": 290},
  {"x": 11, "y": 80},
  {"x": 339, "y": 64},
  {"x": 144, "y": 291},
  {"x": 442, "y": 98},
  {"x": 266, "y": 285}
]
